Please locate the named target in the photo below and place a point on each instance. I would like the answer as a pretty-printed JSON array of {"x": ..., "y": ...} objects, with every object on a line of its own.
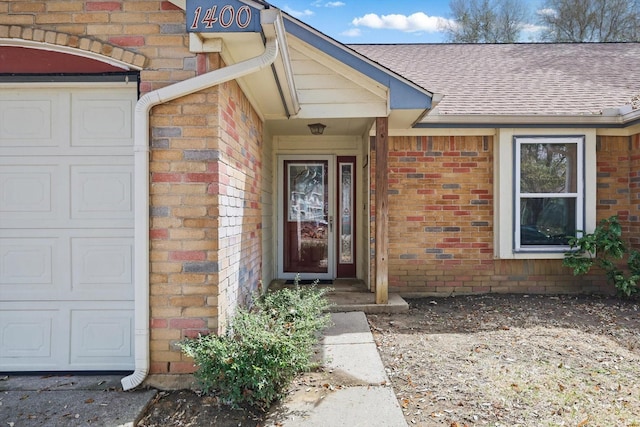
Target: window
[{"x": 549, "y": 192}]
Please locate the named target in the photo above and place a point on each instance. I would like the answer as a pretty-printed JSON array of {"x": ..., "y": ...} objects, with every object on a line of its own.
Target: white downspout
[{"x": 141, "y": 190}]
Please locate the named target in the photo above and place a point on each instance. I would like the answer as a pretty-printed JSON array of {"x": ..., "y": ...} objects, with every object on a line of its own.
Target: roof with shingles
[{"x": 518, "y": 79}]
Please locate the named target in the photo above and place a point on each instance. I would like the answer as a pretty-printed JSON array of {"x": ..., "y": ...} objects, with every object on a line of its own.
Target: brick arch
[{"x": 87, "y": 52}]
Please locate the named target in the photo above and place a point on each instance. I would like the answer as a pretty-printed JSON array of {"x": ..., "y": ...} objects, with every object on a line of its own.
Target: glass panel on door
[
  {"x": 307, "y": 220},
  {"x": 346, "y": 266}
]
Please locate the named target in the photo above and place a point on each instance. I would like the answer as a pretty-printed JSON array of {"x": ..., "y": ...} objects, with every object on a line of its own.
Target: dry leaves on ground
[{"x": 514, "y": 360}]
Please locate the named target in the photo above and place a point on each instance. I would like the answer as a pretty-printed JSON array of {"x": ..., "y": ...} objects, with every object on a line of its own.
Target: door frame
[{"x": 331, "y": 209}]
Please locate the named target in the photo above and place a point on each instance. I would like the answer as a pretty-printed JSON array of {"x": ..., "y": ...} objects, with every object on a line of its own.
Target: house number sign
[{"x": 211, "y": 16}]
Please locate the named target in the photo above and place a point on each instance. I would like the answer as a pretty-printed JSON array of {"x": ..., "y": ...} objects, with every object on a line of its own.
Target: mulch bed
[{"x": 514, "y": 360}]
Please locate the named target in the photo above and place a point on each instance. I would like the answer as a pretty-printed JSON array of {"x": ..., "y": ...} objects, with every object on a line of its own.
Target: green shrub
[
  {"x": 605, "y": 248},
  {"x": 264, "y": 349}
]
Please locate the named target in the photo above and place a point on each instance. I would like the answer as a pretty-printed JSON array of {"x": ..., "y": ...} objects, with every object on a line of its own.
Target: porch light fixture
[{"x": 316, "y": 128}]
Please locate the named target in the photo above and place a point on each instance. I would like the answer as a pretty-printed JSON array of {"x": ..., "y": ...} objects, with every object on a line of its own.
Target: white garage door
[{"x": 66, "y": 228}]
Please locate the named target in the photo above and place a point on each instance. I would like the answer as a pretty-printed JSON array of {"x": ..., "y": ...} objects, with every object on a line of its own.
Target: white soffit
[{"x": 327, "y": 88}]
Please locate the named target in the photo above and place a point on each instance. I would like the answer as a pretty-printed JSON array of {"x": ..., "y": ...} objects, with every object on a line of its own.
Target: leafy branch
[{"x": 605, "y": 248}]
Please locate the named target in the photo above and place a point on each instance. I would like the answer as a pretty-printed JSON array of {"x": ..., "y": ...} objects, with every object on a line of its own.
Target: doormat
[{"x": 310, "y": 282}]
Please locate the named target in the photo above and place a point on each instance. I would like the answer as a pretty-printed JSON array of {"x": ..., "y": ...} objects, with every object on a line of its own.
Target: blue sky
[{"x": 375, "y": 21}]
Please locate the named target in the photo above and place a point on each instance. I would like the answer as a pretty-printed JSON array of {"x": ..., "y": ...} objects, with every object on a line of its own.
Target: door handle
[{"x": 330, "y": 224}]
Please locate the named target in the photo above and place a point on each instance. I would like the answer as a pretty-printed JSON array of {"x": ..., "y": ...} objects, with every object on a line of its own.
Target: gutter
[
  {"x": 141, "y": 189},
  {"x": 481, "y": 120}
]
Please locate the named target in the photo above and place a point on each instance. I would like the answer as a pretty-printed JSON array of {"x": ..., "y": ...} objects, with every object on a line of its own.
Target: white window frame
[
  {"x": 504, "y": 185},
  {"x": 578, "y": 195}
]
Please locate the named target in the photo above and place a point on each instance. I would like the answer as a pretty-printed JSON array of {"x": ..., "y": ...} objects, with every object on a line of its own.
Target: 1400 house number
[{"x": 225, "y": 17}]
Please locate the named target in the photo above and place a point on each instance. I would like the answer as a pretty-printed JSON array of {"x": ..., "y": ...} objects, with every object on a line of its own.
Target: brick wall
[
  {"x": 124, "y": 30},
  {"x": 184, "y": 210},
  {"x": 206, "y": 247},
  {"x": 634, "y": 192},
  {"x": 440, "y": 214},
  {"x": 205, "y": 162},
  {"x": 614, "y": 169},
  {"x": 441, "y": 218},
  {"x": 240, "y": 210}
]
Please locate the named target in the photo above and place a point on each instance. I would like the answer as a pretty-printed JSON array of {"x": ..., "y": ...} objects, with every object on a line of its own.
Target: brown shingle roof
[{"x": 518, "y": 79}]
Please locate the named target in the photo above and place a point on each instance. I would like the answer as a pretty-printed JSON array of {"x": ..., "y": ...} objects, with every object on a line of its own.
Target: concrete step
[
  {"x": 365, "y": 302},
  {"x": 352, "y": 295}
]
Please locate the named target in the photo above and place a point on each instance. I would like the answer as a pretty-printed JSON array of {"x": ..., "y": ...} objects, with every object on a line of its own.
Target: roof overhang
[
  {"x": 314, "y": 78},
  {"x": 235, "y": 47},
  {"x": 404, "y": 94},
  {"x": 555, "y": 121}
]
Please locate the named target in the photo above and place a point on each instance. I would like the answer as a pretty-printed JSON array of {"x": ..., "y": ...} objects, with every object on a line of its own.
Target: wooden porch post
[{"x": 382, "y": 211}]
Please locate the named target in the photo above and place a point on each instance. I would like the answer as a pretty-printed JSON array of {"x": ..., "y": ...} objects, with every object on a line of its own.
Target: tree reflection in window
[
  {"x": 307, "y": 192},
  {"x": 547, "y": 193}
]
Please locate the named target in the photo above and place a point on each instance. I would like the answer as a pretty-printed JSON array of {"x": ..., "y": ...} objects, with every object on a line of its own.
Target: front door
[{"x": 316, "y": 243}]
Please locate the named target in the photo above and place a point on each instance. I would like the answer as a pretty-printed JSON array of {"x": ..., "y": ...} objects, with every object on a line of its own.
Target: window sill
[{"x": 540, "y": 254}]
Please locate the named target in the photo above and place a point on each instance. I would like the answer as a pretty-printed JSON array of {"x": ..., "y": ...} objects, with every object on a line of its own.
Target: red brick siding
[
  {"x": 239, "y": 201},
  {"x": 440, "y": 214},
  {"x": 441, "y": 218},
  {"x": 206, "y": 169},
  {"x": 634, "y": 192},
  {"x": 613, "y": 168},
  {"x": 184, "y": 267},
  {"x": 618, "y": 183}
]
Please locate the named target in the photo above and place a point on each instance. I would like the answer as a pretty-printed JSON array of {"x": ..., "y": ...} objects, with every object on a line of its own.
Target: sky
[{"x": 376, "y": 21}]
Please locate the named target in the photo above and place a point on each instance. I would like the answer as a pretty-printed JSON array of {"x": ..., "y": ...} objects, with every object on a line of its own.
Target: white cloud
[
  {"x": 323, "y": 3},
  {"x": 352, "y": 32},
  {"x": 531, "y": 32},
  {"x": 415, "y": 22},
  {"x": 546, "y": 12},
  {"x": 298, "y": 13},
  {"x": 532, "y": 28}
]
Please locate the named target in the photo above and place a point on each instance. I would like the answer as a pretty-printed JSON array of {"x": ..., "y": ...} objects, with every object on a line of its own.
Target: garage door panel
[
  {"x": 66, "y": 335},
  {"x": 28, "y": 191},
  {"x": 29, "y": 337},
  {"x": 103, "y": 265},
  {"x": 102, "y": 191},
  {"x": 31, "y": 118},
  {"x": 76, "y": 192},
  {"x": 73, "y": 265},
  {"x": 27, "y": 263},
  {"x": 102, "y": 119},
  {"x": 34, "y": 267},
  {"x": 102, "y": 336}
]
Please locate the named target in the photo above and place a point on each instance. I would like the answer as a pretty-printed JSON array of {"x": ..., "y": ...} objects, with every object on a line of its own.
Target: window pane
[
  {"x": 547, "y": 221},
  {"x": 306, "y": 236},
  {"x": 548, "y": 168},
  {"x": 346, "y": 209}
]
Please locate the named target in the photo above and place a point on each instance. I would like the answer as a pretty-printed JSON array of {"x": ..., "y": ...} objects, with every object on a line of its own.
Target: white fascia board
[
  {"x": 182, "y": 4},
  {"x": 631, "y": 116},
  {"x": 519, "y": 120},
  {"x": 453, "y": 131},
  {"x": 355, "y": 110},
  {"x": 273, "y": 26}
]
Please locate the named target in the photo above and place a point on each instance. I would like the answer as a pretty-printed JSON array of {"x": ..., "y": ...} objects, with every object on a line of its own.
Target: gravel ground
[
  {"x": 487, "y": 360},
  {"x": 513, "y": 360}
]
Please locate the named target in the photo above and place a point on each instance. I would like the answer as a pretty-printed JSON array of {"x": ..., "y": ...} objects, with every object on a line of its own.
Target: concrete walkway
[
  {"x": 349, "y": 351},
  {"x": 70, "y": 400}
]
